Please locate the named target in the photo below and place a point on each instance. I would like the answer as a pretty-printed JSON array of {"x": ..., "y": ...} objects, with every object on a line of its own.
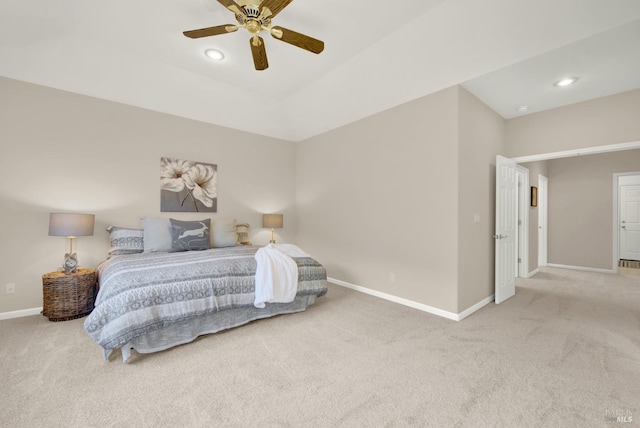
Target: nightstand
[{"x": 66, "y": 297}]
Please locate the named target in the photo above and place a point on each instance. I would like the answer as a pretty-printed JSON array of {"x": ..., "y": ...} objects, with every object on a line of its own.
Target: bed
[{"x": 152, "y": 301}]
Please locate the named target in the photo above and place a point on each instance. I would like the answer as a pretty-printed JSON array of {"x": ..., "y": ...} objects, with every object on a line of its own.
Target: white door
[
  {"x": 630, "y": 222},
  {"x": 506, "y": 224},
  {"x": 543, "y": 191}
]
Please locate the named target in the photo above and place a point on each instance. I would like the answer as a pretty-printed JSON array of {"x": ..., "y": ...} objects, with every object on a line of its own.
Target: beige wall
[
  {"x": 66, "y": 152},
  {"x": 481, "y": 138},
  {"x": 394, "y": 193},
  {"x": 397, "y": 193},
  {"x": 379, "y": 196},
  {"x": 374, "y": 198},
  {"x": 581, "y": 207},
  {"x": 604, "y": 121}
]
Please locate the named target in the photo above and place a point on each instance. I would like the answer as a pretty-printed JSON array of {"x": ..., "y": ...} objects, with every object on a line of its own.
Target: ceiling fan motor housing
[
  {"x": 252, "y": 19},
  {"x": 251, "y": 11}
]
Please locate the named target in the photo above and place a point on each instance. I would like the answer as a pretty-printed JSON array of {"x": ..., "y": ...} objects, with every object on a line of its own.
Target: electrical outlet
[
  {"x": 10, "y": 288},
  {"x": 392, "y": 277}
]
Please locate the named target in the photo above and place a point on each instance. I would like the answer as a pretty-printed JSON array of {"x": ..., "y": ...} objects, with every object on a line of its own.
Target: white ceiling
[
  {"x": 606, "y": 63},
  {"x": 378, "y": 54}
]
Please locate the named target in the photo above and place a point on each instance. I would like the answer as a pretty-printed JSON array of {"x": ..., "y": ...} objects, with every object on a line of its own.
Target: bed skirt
[{"x": 188, "y": 330}]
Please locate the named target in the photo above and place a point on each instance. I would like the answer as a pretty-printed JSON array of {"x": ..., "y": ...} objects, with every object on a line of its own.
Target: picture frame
[
  {"x": 188, "y": 186},
  {"x": 534, "y": 196}
]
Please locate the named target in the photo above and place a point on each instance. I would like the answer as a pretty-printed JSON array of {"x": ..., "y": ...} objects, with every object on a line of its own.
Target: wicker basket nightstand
[{"x": 66, "y": 297}]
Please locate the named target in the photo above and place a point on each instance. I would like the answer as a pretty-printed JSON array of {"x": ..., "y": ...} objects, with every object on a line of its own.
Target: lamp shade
[
  {"x": 273, "y": 221},
  {"x": 68, "y": 224}
]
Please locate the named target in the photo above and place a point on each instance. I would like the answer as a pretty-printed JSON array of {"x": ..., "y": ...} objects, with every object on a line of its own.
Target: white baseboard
[
  {"x": 390, "y": 297},
  {"x": 415, "y": 305},
  {"x": 482, "y": 303},
  {"x": 20, "y": 314},
  {"x": 533, "y": 272},
  {"x": 586, "y": 269}
]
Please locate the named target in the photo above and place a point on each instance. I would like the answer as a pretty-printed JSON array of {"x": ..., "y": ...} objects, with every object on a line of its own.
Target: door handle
[{"x": 499, "y": 236}]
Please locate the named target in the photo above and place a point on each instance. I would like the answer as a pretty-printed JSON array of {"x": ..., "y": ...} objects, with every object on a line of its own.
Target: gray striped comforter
[{"x": 143, "y": 292}]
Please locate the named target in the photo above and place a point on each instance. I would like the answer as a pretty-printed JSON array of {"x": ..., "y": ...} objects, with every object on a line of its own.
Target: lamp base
[{"x": 70, "y": 263}]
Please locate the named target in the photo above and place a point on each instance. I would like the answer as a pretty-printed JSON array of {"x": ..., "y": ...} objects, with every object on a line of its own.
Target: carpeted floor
[{"x": 565, "y": 351}]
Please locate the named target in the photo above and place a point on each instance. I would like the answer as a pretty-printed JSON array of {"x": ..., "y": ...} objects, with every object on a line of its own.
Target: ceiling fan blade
[
  {"x": 232, "y": 6},
  {"x": 300, "y": 40},
  {"x": 210, "y": 31},
  {"x": 259, "y": 53},
  {"x": 275, "y": 6}
]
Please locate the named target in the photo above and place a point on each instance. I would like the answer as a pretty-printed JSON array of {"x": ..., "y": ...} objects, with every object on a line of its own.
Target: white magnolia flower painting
[{"x": 187, "y": 186}]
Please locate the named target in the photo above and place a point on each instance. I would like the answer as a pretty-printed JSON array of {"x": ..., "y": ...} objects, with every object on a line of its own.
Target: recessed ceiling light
[
  {"x": 214, "y": 54},
  {"x": 523, "y": 109},
  {"x": 566, "y": 81}
]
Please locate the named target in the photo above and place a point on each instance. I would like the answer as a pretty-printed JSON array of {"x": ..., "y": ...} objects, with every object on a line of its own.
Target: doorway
[
  {"x": 503, "y": 260},
  {"x": 627, "y": 217}
]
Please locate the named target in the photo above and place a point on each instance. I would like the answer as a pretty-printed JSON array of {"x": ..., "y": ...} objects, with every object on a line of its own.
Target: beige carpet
[{"x": 565, "y": 351}]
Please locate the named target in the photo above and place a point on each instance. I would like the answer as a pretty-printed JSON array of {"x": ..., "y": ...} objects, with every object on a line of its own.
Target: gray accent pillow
[
  {"x": 125, "y": 241},
  {"x": 190, "y": 235},
  {"x": 157, "y": 234}
]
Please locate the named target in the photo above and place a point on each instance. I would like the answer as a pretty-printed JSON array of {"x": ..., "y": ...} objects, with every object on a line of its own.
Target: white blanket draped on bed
[{"x": 276, "y": 274}]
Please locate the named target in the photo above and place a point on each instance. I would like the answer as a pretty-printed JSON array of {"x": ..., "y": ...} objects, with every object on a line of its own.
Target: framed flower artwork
[{"x": 188, "y": 186}]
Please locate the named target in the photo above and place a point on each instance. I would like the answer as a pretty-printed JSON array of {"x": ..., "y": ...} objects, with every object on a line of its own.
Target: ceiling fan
[{"x": 255, "y": 18}]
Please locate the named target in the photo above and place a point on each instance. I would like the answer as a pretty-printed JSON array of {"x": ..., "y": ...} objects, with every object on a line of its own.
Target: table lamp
[
  {"x": 273, "y": 221},
  {"x": 71, "y": 226}
]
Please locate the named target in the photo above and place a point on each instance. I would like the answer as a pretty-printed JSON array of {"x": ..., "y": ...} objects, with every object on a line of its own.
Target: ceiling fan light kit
[{"x": 255, "y": 19}]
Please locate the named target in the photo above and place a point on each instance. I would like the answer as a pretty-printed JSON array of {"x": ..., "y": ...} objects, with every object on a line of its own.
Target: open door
[
  {"x": 630, "y": 222},
  {"x": 506, "y": 224}
]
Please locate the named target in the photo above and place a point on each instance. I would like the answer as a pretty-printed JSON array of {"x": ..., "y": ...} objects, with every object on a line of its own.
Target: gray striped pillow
[{"x": 125, "y": 241}]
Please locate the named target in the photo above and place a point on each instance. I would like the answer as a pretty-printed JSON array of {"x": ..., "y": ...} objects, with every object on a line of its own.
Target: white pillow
[
  {"x": 224, "y": 233},
  {"x": 157, "y": 234}
]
